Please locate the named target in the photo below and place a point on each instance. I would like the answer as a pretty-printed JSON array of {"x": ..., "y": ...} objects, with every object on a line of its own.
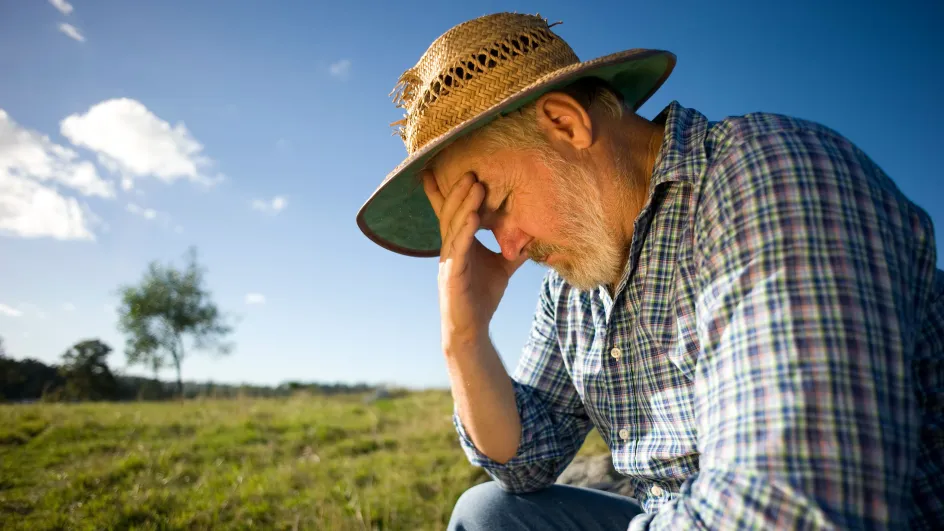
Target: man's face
[{"x": 543, "y": 206}]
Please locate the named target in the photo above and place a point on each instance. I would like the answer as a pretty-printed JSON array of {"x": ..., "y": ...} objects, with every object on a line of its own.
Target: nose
[{"x": 511, "y": 239}]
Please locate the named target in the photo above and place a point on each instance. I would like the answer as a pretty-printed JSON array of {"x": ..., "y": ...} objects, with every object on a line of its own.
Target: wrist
[{"x": 458, "y": 344}]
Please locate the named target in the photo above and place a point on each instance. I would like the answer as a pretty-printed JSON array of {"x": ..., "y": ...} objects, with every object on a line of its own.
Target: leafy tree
[
  {"x": 25, "y": 379},
  {"x": 166, "y": 307},
  {"x": 86, "y": 372},
  {"x": 9, "y": 375}
]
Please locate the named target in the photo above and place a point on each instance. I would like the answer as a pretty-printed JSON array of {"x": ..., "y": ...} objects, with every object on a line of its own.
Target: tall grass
[{"x": 305, "y": 462}]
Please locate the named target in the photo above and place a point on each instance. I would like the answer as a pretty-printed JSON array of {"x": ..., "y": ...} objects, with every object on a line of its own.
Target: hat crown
[{"x": 472, "y": 67}]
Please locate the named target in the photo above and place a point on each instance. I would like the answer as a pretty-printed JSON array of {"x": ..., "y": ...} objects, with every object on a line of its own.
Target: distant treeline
[
  {"x": 29, "y": 380},
  {"x": 165, "y": 317}
]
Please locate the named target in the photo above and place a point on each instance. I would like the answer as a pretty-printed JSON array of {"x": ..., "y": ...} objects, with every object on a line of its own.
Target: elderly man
[{"x": 748, "y": 311}]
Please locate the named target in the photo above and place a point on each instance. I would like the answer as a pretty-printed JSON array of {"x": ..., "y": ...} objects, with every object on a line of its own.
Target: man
[{"x": 748, "y": 310}]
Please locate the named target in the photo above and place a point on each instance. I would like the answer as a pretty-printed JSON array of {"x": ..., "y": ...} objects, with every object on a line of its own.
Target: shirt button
[
  {"x": 624, "y": 434},
  {"x": 656, "y": 491},
  {"x": 616, "y": 353}
]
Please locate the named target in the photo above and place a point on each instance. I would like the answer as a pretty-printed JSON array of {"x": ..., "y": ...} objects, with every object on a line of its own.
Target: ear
[{"x": 565, "y": 122}]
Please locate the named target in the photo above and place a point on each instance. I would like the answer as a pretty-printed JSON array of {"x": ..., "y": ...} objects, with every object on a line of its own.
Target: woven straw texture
[{"x": 470, "y": 68}]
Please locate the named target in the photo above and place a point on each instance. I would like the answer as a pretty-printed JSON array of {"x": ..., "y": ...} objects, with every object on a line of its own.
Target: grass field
[{"x": 306, "y": 462}]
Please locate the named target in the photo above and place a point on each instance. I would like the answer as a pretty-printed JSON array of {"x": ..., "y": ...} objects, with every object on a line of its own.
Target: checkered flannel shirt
[{"x": 773, "y": 355}]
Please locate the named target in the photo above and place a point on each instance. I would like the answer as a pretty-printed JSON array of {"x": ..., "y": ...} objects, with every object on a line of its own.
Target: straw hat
[{"x": 473, "y": 73}]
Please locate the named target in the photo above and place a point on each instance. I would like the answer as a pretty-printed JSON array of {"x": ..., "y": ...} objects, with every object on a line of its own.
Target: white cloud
[
  {"x": 32, "y": 168},
  {"x": 31, "y": 210},
  {"x": 146, "y": 213},
  {"x": 71, "y": 31},
  {"x": 27, "y": 153},
  {"x": 131, "y": 140},
  {"x": 341, "y": 68},
  {"x": 68, "y": 306},
  {"x": 9, "y": 311},
  {"x": 255, "y": 298},
  {"x": 270, "y": 206},
  {"x": 64, "y": 7}
]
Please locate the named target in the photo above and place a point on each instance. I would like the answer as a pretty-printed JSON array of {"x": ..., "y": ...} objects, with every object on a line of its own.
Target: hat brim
[{"x": 398, "y": 215}]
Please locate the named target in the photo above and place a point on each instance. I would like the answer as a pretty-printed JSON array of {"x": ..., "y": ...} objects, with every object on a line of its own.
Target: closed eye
[{"x": 491, "y": 216}]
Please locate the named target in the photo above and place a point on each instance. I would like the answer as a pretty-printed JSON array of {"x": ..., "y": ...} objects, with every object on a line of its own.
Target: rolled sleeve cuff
[{"x": 537, "y": 462}]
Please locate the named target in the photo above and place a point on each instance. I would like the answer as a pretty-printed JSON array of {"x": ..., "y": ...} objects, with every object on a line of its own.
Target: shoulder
[
  {"x": 758, "y": 145},
  {"x": 774, "y": 153},
  {"x": 736, "y": 131},
  {"x": 771, "y": 174}
]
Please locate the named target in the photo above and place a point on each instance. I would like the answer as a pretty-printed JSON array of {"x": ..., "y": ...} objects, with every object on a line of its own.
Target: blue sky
[{"x": 255, "y": 131}]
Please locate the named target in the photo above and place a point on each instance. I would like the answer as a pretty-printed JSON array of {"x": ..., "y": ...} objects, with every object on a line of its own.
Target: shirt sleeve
[
  {"x": 554, "y": 423},
  {"x": 804, "y": 400}
]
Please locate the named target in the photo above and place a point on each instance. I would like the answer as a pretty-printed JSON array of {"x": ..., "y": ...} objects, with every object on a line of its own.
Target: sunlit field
[{"x": 305, "y": 462}]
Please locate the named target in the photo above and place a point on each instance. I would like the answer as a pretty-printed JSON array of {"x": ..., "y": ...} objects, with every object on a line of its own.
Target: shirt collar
[{"x": 682, "y": 156}]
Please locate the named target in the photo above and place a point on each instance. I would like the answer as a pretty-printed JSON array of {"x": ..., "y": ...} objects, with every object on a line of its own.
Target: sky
[{"x": 254, "y": 131}]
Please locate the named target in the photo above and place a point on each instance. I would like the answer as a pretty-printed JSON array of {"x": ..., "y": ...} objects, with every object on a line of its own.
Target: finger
[
  {"x": 456, "y": 222},
  {"x": 473, "y": 199},
  {"x": 432, "y": 191},
  {"x": 462, "y": 241},
  {"x": 453, "y": 200}
]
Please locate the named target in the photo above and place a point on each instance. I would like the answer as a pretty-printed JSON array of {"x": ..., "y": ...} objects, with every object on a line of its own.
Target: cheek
[{"x": 537, "y": 214}]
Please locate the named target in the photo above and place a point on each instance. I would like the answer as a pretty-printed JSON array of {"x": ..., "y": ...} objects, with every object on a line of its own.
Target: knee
[{"x": 484, "y": 506}]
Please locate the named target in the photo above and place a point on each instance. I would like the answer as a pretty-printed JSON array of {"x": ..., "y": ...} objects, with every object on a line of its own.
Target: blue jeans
[{"x": 486, "y": 506}]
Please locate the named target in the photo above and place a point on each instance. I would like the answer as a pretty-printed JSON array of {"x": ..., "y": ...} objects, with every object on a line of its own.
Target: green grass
[{"x": 296, "y": 463}]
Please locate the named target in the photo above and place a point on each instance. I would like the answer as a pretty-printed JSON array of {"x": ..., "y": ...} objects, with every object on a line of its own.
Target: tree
[
  {"x": 166, "y": 307},
  {"x": 86, "y": 372},
  {"x": 25, "y": 379},
  {"x": 9, "y": 376}
]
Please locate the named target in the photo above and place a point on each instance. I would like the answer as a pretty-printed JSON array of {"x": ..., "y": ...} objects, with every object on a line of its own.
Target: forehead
[{"x": 493, "y": 169}]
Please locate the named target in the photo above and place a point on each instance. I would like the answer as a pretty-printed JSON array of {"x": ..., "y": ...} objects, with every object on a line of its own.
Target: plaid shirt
[{"x": 773, "y": 355}]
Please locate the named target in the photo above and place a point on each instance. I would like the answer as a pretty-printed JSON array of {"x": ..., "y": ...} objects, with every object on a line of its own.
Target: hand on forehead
[{"x": 451, "y": 165}]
